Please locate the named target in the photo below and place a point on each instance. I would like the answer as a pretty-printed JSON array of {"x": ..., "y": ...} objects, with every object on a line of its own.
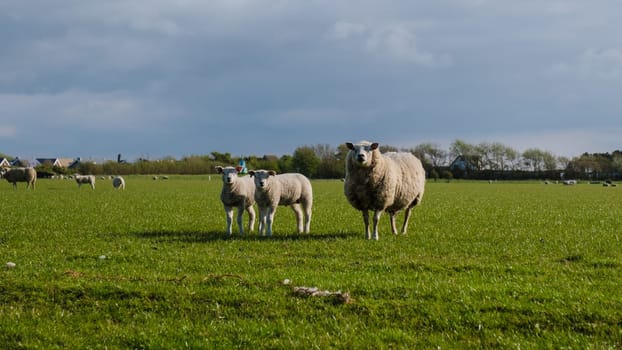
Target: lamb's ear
[
  {"x": 219, "y": 169},
  {"x": 374, "y": 145},
  {"x": 251, "y": 173},
  {"x": 350, "y": 145},
  {"x": 271, "y": 172}
]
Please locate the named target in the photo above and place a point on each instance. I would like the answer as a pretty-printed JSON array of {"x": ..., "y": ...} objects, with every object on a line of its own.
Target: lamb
[
  {"x": 85, "y": 179},
  {"x": 382, "y": 182},
  {"x": 118, "y": 182},
  {"x": 273, "y": 190},
  {"x": 237, "y": 192},
  {"x": 15, "y": 175}
]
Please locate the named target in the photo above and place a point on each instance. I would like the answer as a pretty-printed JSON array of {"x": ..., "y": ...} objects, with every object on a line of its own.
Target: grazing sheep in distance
[
  {"x": 237, "y": 192},
  {"x": 382, "y": 182},
  {"x": 118, "y": 182},
  {"x": 15, "y": 175},
  {"x": 85, "y": 179},
  {"x": 273, "y": 190}
]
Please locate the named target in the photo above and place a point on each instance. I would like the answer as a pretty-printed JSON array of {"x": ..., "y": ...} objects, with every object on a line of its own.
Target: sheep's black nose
[{"x": 360, "y": 157}]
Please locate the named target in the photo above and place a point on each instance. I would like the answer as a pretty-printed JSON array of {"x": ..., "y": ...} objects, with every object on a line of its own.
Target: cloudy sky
[{"x": 155, "y": 78}]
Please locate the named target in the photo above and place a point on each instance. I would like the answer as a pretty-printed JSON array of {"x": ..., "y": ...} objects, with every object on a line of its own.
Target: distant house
[
  {"x": 270, "y": 158},
  {"x": 465, "y": 164},
  {"x": 68, "y": 163},
  {"x": 19, "y": 162},
  {"x": 5, "y": 163}
]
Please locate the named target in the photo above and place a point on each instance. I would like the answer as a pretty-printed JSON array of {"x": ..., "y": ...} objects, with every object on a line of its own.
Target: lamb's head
[
  {"x": 361, "y": 154},
  {"x": 262, "y": 178},
  {"x": 229, "y": 174}
]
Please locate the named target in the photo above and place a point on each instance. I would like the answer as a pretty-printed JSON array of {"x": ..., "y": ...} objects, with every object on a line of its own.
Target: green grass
[{"x": 520, "y": 265}]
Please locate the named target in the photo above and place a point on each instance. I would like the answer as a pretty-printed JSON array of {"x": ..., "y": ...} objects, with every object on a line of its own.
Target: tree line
[{"x": 322, "y": 161}]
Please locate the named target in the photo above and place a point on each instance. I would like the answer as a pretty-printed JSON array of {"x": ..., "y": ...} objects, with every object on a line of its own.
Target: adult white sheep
[
  {"x": 239, "y": 192},
  {"x": 272, "y": 190},
  {"x": 85, "y": 179},
  {"x": 382, "y": 182},
  {"x": 15, "y": 175},
  {"x": 118, "y": 182}
]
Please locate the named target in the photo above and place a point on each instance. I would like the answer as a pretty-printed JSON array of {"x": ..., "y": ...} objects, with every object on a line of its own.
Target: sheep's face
[
  {"x": 361, "y": 153},
  {"x": 229, "y": 174},
  {"x": 262, "y": 177}
]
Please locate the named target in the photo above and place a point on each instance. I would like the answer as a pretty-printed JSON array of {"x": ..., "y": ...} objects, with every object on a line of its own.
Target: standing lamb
[
  {"x": 273, "y": 190},
  {"x": 85, "y": 179},
  {"x": 15, "y": 175},
  {"x": 382, "y": 182},
  {"x": 237, "y": 192},
  {"x": 118, "y": 182}
]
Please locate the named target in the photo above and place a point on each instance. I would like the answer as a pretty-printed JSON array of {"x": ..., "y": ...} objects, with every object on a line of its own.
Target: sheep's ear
[
  {"x": 271, "y": 172},
  {"x": 219, "y": 169},
  {"x": 251, "y": 173},
  {"x": 350, "y": 145},
  {"x": 374, "y": 145}
]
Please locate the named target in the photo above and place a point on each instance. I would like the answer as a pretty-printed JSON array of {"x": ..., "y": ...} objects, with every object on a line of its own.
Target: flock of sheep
[
  {"x": 29, "y": 176},
  {"x": 374, "y": 181},
  {"x": 378, "y": 182}
]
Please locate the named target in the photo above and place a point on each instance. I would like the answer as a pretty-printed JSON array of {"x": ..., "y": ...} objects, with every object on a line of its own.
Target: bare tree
[{"x": 431, "y": 152}]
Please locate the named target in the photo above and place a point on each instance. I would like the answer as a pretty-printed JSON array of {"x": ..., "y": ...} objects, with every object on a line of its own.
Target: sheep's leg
[
  {"x": 298, "y": 211},
  {"x": 393, "y": 227},
  {"x": 406, "y": 217},
  {"x": 262, "y": 219},
  {"x": 240, "y": 219},
  {"x": 307, "y": 210},
  {"x": 229, "y": 213},
  {"x": 270, "y": 216},
  {"x": 377, "y": 214},
  {"x": 251, "y": 218},
  {"x": 366, "y": 221}
]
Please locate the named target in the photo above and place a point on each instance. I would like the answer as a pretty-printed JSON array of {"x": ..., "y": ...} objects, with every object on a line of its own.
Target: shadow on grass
[{"x": 199, "y": 236}]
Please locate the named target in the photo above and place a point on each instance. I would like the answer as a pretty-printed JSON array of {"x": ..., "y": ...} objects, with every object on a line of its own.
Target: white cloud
[
  {"x": 395, "y": 42},
  {"x": 399, "y": 43},
  {"x": 344, "y": 30}
]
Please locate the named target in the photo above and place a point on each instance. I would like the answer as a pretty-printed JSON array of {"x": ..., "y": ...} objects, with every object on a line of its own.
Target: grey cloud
[{"x": 195, "y": 72}]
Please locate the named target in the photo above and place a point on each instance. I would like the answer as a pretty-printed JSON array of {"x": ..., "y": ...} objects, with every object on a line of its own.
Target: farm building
[
  {"x": 16, "y": 162},
  {"x": 68, "y": 163},
  {"x": 465, "y": 163},
  {"x": 5, "y": 163}
]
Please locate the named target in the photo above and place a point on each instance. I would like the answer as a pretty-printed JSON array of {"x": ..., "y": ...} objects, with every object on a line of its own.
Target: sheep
[
  {"x": 273, "y": 190},
  {"x": 85, "y": 179},
  {"x": 237, "y": 192},
  {"x": 118, "y": 182},
  {"x": 15, "y": 175},
  {"x": 382, "y": 182}
]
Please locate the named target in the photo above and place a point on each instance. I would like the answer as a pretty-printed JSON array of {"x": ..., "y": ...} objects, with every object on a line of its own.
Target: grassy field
[{"x": 502, "y": 265}]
